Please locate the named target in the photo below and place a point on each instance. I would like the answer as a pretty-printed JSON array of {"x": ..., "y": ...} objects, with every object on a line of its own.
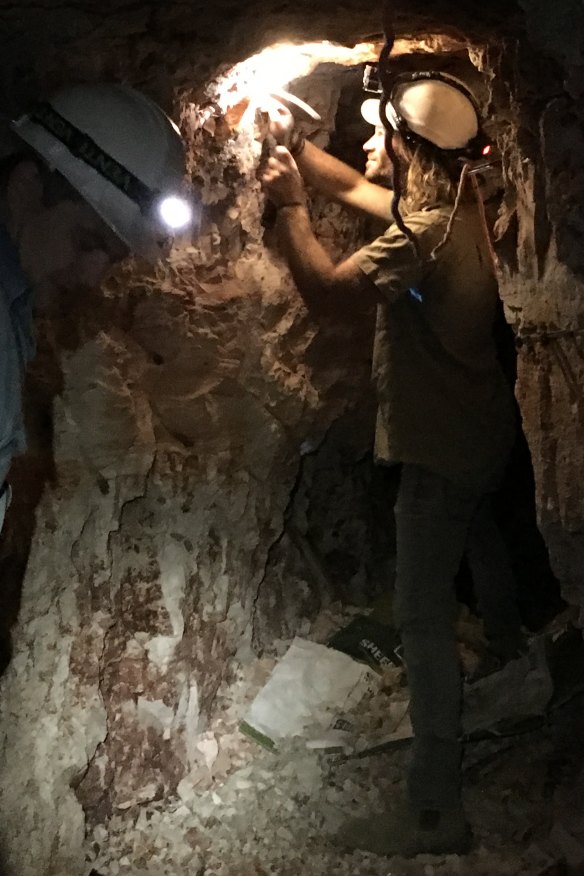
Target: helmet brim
[
  {"x": 144, "y": 237},
  {"x": 370, "y": 111}
]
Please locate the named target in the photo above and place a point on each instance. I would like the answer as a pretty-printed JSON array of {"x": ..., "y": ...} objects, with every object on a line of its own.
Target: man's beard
[{"x": 380, "y": 176}]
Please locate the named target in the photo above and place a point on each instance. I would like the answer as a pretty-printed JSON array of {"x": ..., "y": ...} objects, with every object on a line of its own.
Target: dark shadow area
[
  {"x": 29, "y": 474},
  {"x": 538, "y": 590}
]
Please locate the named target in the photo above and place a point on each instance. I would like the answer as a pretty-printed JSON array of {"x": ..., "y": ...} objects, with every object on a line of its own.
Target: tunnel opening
[{"x": 234, "y": 505}]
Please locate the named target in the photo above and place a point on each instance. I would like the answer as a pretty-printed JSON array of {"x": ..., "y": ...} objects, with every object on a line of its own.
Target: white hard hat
[
  {"x": 121, "y": 153},
  {"x": 438, "y": 109}
]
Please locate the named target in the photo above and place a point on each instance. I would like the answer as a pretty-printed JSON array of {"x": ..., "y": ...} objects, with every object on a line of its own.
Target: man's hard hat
[
  {"x": 433, "y": 106},
  {"x": 121, "y": 153}
]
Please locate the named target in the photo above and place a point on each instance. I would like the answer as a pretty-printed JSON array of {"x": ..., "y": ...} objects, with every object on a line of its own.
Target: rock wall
[
  {"x": 543, "y": 272},
  {"x": 183, "y": 404},
  {"x": 177, "y": 420}
]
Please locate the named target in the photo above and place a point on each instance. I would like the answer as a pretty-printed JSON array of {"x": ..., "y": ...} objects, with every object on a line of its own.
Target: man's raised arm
[{"x": 342, "y": 183}]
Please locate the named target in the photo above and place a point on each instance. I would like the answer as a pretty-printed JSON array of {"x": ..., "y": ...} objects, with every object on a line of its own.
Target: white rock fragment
[{"x": 209, "y": 748}]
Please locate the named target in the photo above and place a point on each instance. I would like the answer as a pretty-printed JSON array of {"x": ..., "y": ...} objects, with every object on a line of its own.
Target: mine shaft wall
[{"x": 171, "y": 418}]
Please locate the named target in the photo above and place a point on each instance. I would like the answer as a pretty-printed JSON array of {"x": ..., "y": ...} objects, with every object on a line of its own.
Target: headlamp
[
  {"x": 174, "y": 211},
  {"x": 371, "y": 83}
]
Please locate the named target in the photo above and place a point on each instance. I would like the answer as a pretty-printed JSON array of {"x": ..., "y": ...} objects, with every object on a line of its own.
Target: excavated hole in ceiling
[{"x": 302, "y": 68}]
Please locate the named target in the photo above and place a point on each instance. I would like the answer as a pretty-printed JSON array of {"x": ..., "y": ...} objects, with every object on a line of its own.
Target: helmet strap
[
  {"x": 397, "y": 178},
  {"x": 485, "y": 225},
  {"x": 457, "y": 201}
]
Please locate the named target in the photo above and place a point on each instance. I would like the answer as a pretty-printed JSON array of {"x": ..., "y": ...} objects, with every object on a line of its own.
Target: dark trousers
[{"x": 436, "y": 521}]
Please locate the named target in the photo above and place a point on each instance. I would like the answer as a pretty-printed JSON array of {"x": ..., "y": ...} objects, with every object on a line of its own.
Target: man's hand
[
  {"x": 282, "y": 182},
  {"x": 281, "y": 120}
]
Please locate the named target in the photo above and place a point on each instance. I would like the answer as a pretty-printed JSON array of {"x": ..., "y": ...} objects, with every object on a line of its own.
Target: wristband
[{"x": 297, "y": 144}]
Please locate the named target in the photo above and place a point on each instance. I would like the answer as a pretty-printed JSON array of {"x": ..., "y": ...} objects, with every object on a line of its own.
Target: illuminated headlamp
[{"x": 173, "y": 210}]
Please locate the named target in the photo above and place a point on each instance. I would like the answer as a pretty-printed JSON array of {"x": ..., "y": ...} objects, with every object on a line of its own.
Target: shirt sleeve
[{"x": 391, "y": 262}]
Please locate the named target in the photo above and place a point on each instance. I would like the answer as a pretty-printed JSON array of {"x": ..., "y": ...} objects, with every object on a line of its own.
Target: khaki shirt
[{"x": 443, "y": 400}]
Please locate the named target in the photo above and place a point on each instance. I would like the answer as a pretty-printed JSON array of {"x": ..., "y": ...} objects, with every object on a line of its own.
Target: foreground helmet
[
  {"x": 432, "y": 106},
  {"x": 121, "y": 153}
]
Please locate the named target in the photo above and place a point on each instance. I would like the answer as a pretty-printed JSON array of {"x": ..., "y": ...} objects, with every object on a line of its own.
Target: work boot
[{"x": 407, "y": 833}]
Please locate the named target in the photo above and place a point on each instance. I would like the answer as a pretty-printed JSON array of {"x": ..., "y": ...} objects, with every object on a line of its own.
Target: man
[
  {"x": 96, "y": 173},
  {"x": 445, "y": 411}
]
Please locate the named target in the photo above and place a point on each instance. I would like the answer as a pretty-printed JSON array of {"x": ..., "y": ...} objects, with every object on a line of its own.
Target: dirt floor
[{"x": 246, "y": 811}]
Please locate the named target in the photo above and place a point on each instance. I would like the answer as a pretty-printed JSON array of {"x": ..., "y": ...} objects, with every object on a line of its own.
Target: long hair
[{"x": 430, "y": 178}]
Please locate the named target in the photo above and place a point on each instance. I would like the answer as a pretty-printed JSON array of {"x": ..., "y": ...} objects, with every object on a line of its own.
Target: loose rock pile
[{"x": 245, "y": 811}]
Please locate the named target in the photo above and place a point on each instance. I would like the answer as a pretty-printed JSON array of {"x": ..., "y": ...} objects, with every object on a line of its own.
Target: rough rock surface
[
  {"x": 244, "y": 810},
  {"x": 170, "y": 499}
]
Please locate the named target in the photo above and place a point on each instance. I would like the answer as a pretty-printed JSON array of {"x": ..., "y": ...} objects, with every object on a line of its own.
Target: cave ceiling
[{"x": 165, "y": 47}]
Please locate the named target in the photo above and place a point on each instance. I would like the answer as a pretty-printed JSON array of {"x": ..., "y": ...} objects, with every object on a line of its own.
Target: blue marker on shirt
[{"x": 415, "y": 293}]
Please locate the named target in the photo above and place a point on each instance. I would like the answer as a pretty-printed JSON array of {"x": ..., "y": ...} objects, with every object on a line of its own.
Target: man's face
[
  {"x": 67, "y": 247},
  {"x": 379, "y": 167}
]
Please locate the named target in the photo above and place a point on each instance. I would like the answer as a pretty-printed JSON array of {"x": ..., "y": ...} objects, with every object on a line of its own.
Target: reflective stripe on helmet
[
  {"x": 82, "y": 146},
  {"x": 121, "y": 153}
]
